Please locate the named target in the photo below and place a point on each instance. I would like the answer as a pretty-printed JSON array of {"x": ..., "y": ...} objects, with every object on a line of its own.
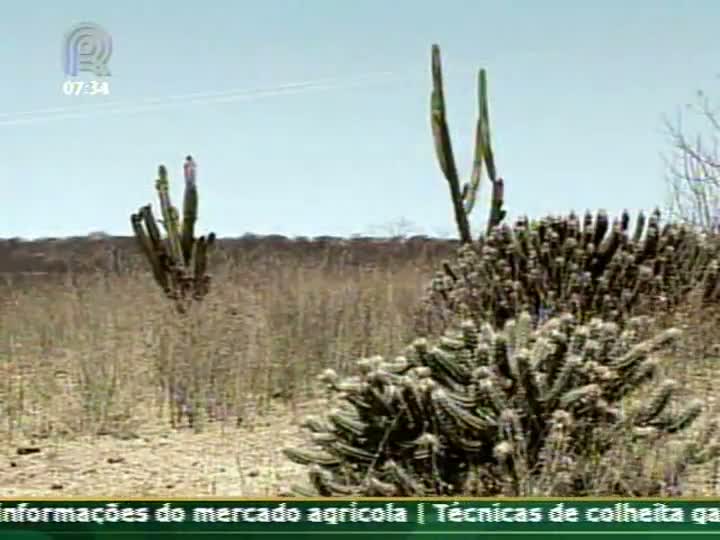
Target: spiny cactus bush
[
  {"x": 518, "y": 411},
  {"x": 538, "y": 385},
  {"x": 586, "y": 267},
  {"x": 178, "y": 262}
]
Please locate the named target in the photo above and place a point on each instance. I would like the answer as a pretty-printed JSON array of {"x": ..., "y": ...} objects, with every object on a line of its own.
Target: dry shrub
[{"x": 102, "y": 352}]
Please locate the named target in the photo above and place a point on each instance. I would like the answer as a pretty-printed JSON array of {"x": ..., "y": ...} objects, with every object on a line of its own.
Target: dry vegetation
[{"x": 86, "y": 357}]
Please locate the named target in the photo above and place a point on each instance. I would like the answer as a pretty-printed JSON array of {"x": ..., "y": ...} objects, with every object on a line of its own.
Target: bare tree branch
[{"x": 693, "y": 168}]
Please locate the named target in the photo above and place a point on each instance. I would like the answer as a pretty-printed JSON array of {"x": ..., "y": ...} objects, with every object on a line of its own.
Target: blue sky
[{"x": 578, "y": 91}]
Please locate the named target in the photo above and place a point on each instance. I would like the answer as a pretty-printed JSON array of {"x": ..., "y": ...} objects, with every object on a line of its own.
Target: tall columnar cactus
[
  {"x": 588, "y": 267},
  {"x": 519, "y": 411},
  {"x": 463, "y": 198},
  {"x": 178, "y": 262}
]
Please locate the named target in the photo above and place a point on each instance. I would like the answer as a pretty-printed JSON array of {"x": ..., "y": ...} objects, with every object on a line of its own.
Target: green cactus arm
[
  {"x": 488, "y": 155},
  {"x": 147, "y": 248},
  {"x": 460, "y": 416},
  {"x": 169, "y": 213},
  {"x": 303, "y": 456},
  {"x": 445, "y": 362},
  {"x": 470, "y": 190},
  {"x": 350, "y": 425},
  {"x": 443, "y": 147},
  {"x": 530, "y": 380},
  {"x": 443, "y": 143},
  {"x": 199, "y": 258},
  {"x": 656, "y": 405},
  {"x": 490, "y": 391},
  {"x": 190, "y": 206},
  {"x": 322, "y": 481},
  {"x": 354, "y": 453},
  {"x": 161, "y": 257},
  {"x": 497, "y": 214},
  {"x": 562, "y": 383},
  {"x": 152, "y": 228}
]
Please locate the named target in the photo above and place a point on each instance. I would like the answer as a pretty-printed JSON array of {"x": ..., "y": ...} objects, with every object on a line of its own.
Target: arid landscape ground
[
  {"x": 88, "y": 345},
  {"x": 87, "y": 341}
]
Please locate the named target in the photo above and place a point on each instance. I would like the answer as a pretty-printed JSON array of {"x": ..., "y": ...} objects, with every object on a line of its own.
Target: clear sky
[{"x": 578, "y": 90}]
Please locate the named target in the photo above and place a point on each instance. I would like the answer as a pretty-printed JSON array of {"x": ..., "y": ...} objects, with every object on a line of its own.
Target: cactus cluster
[
  {"x": 518, "y": 411},
  {"x": 587, "y": 267},
  {"x": 544, "y": 380},
  {"x": 179, "y": 261}
]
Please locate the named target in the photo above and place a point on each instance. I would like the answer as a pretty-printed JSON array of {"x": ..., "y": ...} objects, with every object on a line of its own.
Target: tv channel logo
[{"x": 87, "y": 47}]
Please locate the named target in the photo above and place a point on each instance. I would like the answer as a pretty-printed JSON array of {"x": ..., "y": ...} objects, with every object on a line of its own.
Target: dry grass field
[
  {"x": 86, "y": 354},
  {"x": 90, "y": 352}
]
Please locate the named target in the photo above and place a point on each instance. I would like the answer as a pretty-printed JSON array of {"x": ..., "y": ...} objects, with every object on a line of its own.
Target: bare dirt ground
[{"x": 158, "y": 461}]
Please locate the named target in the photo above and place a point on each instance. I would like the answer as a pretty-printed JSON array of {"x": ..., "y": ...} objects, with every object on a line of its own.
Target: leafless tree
[
  {"x": 398, "y": 229},
  {"x": 694, "y": 165}
]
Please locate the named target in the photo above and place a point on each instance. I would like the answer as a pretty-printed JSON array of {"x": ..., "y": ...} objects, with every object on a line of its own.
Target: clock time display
[{"x": 86, "y": 88}]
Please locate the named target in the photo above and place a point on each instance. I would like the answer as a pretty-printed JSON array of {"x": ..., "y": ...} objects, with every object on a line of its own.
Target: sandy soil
[{"x": 159, "y": 461}]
